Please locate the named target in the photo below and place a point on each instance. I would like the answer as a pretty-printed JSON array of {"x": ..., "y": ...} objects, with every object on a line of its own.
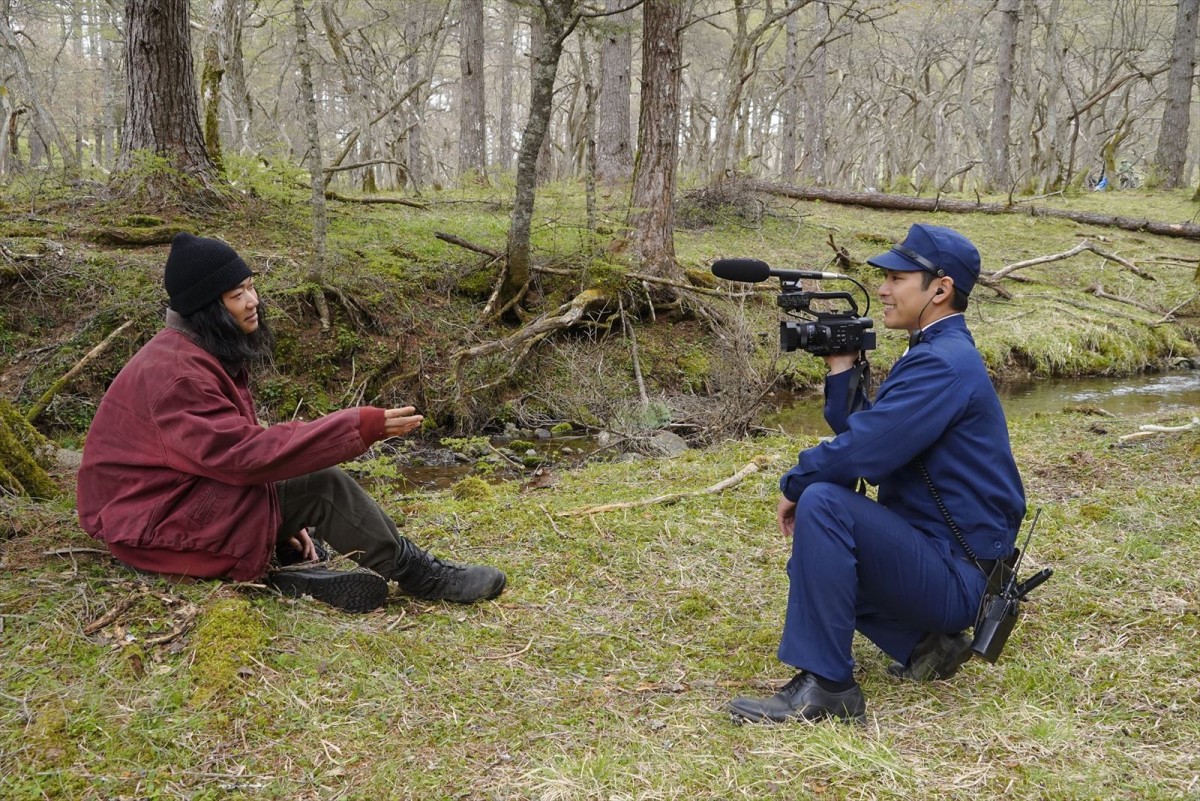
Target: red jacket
[{"x": 178, "y": 475}]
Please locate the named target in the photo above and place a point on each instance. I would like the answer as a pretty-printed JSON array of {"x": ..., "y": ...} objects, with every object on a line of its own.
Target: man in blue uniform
[{"x": 935, "y": 442}]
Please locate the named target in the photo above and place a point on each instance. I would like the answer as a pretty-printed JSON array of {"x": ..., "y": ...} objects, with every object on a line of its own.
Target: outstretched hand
[{"x": 401, "y": 421}]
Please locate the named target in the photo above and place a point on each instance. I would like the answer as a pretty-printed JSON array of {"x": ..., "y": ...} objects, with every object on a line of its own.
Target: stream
[{"x": 1163, "y": 393}]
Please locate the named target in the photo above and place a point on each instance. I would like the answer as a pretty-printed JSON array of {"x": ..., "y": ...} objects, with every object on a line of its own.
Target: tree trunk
[
  {"x": 999, "y": 177},
  {"x": 614, "y": 147},
  {"x": 414, "y": 116},
  {"x": 210, "y": 83},
  {"x": 556, "y": 24},
  {"x": 791, "y": 101},
  {"x": 815, "y": 96},
  {"x": 504, "y": 140},
  {"x": 240, "y": 113},
  {"x": 472, "y": 156},
  {"x": 314, "y": 159},
  {"x": 161, "y": 108},
  {"x": 1173, "y": 136},
  {"x": 652, "y": 203}
]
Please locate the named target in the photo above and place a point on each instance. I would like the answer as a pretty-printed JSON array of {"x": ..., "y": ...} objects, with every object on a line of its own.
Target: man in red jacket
[{"x": 179, "y": 477}]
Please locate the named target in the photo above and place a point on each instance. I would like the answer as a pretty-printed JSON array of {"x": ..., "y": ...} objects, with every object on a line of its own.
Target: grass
[{"x": 603, "y": 669}]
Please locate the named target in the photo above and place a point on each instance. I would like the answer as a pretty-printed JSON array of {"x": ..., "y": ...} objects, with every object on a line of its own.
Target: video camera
[{"x": 821, "y": 333}]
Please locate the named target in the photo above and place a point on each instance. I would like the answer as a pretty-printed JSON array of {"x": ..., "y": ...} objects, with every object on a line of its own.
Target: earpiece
[{"x": 940, "y": 291}]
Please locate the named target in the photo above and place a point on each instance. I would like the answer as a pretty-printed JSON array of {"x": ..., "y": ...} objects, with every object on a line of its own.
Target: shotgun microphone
[{"x": 753, "y": 271}]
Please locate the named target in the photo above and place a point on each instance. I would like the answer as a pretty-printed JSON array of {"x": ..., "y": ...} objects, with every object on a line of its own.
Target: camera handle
[{"x": 860, "y": 379}]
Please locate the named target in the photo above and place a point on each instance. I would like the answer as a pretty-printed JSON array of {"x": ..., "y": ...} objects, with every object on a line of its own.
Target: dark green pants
[{"x": 336, "y": 509}]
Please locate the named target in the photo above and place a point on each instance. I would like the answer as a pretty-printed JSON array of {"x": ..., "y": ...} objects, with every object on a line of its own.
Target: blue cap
[{"x": 936, "y": 250}]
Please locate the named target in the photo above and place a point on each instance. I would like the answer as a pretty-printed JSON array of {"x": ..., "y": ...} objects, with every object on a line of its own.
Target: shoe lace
[{"x": 795, "y": 683}]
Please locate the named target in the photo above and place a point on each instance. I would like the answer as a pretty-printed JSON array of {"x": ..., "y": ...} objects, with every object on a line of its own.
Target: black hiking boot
[
  {"x": 936, "y": 656},
  {"x": 431, "y": 579},
  {"x": 356, "y": 590}
]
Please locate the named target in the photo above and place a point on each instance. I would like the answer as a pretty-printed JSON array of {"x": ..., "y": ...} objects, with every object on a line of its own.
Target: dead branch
[
  {"x": 1170, "y": 315},
  {"x": 396, "y": 201},
  {"x": 116, "y": 611},
  {"x": 1099, "y": 292},
  {"x": 1083, "y": 246},
  {"x": 879, "y": 200},
  {"x": 462, "y": 243},
  {"x": 751, "y": 468},
  {"x": 58, "y": 385},
  {"x": 627, "y": 329}
]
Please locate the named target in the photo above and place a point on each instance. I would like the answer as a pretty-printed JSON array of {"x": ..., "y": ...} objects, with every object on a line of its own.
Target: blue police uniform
[{"x": 893, "y": 569}]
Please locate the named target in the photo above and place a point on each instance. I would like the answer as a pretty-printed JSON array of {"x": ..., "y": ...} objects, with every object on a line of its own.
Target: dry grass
[{"x": 602, "y": 671}]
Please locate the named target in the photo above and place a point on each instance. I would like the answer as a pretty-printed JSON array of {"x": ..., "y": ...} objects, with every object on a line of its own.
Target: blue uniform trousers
[{"x": 857, "y": 565}]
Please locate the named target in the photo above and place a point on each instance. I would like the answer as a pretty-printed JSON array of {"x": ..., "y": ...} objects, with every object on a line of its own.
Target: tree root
[{"x": 566, "y": 316}]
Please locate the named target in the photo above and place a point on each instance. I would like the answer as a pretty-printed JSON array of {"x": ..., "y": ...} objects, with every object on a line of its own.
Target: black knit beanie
[{"x": 200, "y": 270}]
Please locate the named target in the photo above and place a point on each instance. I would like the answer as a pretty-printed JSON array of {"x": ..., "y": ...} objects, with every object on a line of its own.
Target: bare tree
[
  {"x": 614, "y": 145},
  {"x": 46, "y": 130},
  {"x": 308, "y": 101},
  {"x": 502, "y": 154},
  {"x": 472, "y": 156},
  {"x": 815, "y": 93},
  {"x": 558, "y": 19},
  {"x": 1173, "y": 137},
  {"x": 161, "y": 114},
  {"x": 652, "y": 202},
  {"x": 1002, "y": 92},
  {"x": 791, "y": 101}
]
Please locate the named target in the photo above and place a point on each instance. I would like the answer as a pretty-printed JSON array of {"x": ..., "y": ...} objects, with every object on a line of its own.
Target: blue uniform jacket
[{"x": 937, "y": 403}]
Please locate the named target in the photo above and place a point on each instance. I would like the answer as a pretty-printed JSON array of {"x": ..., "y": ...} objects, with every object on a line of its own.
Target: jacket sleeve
[
  {"x": 919, "y": 400},
  {"x": 838, "y": 400},
  {"x": 202, "y": 432}
]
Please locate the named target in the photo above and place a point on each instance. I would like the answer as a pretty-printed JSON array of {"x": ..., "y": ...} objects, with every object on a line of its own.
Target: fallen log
[{"x": 878, "y": 200}]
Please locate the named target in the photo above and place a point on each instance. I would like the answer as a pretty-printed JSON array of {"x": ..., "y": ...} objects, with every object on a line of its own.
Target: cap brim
[{"x": 894, "y": 260}]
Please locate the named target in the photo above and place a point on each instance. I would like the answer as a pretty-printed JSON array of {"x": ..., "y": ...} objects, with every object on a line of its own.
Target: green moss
[
  {"x": 561, "y": 428},
  {"x": 471, "y": 488},
  {"x": 229, "y": 638}
]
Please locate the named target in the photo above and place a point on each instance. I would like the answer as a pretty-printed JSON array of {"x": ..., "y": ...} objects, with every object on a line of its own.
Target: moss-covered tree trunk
[{"x": 24, "y": 456}]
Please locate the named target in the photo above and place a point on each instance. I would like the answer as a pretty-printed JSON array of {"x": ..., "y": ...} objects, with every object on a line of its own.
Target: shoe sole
[
  {"x": 349, "y": 590},
  {"x": 943, "y": 667},
  {"x": 740, "y": 719}
]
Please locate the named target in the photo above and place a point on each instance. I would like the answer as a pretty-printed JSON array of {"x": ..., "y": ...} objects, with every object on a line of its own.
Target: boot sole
[{"x": 348, "y": 590}]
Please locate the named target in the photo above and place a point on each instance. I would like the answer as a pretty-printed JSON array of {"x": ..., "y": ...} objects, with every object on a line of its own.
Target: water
[
  {"x": 1162, "y": 393},
  {"x": 802, "y": 415}
]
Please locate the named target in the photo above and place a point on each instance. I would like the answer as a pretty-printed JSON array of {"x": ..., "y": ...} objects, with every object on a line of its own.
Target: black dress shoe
[
  {"x": 802, "y": 699},
  {"x": 935, "y": 656}
]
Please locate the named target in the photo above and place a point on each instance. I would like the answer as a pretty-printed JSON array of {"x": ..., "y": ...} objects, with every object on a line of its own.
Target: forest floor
[{"x": 603, "y": 669}]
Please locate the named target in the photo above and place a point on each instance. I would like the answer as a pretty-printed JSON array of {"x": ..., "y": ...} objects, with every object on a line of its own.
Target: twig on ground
[
  {"x": 1150, "y": 430},
  {"x": 751, "y": 468}
]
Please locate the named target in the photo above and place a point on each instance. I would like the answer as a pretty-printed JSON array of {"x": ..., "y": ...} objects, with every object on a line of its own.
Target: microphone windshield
[{"x": 750, "y": 271}]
